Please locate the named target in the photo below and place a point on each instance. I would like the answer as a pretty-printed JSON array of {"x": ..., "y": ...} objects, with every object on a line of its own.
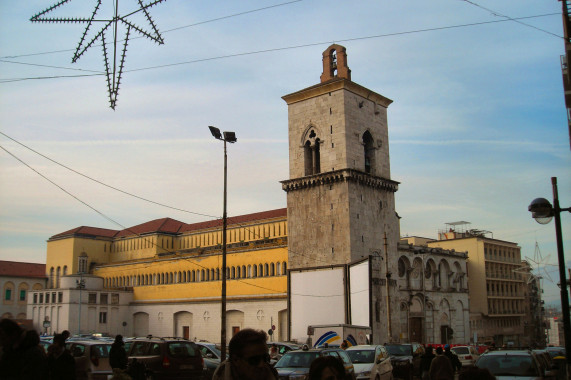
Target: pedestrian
[
  {"x": 117, "y": 354},
  {"x": 344, "y": 345},
  {"x": 456, "y": 364},
  {"x": 326, "y": 368},
  {"x": 441, "y": 368},
  {"x": 61, "y": 364},
  {"x": 273, "y": 352},
  {"x": 118, "y": 358},
  {"x": 22, "y": 356},
  {"x": 248, "y": 358},
  {"x": 425, "y": 361}
]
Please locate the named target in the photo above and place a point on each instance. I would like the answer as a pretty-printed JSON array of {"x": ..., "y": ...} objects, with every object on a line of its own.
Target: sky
[{"x": 477, "y": 126}]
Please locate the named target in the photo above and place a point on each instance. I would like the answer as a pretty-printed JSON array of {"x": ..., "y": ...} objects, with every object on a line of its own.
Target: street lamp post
[
  {"x": 542, "y": 211},
  {"x": 81, "y": 270},
  {"x": 231, "y": 138}
]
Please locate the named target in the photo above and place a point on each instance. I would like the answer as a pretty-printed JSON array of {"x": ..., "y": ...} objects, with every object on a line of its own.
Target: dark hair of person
[
  {"x": 475, "y": 373},
  {"x": 31, "y": 338},
  {"x": 10, "y": 328},
  {"x": 439, "y": 350},
  {"x": 429, "y": 349},
  {"x": 242, "y": 339},
  {"x": 322, "y": 362},
  {"x": 59, "y": 339}
]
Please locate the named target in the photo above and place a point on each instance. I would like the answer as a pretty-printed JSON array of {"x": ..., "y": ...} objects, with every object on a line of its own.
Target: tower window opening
[{"x": 369, "y": 151}]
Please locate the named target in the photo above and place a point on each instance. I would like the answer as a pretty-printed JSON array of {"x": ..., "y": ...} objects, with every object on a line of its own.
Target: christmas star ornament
[{"x": 106, "y": 29}]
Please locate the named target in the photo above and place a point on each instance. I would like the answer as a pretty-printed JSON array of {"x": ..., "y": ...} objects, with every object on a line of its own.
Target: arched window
[
  {"x": 266, "y": 270},
  {"x": 65, "y": 270},
  {"x": 233, "y": 275},
  {"x": 369, "y": 152},
  {"x": 312, "y": 159},
  {"x": 255, "y": 272},
  {"x": 58, "y": 275},
  {"x": 272, "y": 269},
  {"x": 260, "y": 270},
  {"x": 249, "y": 275},
  {"x": 52, "y": 281},
  {"x": 284, "y": 268}
]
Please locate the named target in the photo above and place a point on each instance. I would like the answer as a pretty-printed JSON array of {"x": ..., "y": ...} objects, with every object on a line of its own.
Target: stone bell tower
[{"x": 340, "y": 197}]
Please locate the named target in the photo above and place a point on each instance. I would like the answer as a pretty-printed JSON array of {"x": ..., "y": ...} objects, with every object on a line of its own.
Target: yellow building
[
  {"x": 173, "y": 271},
  {"x": 497, "y": 307}
]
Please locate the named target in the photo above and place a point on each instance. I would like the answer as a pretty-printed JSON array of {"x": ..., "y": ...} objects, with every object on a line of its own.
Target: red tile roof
[
  {"x": 87, "y": 231},
  {"x": 169, "y": 226},
  {"x": 164, "y": 225},
  {"x": 19, "y": 269},
  {"x": 278, "y": 213}
]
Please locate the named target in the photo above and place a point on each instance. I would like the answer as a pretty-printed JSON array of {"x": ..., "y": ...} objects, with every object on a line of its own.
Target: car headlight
[{"x": 366, "y": 373}]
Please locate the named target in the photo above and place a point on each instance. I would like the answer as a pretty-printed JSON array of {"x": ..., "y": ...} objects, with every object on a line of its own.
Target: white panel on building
[
  {"x": 317, "y": 297},
  {"x": 359, "y": 293}
]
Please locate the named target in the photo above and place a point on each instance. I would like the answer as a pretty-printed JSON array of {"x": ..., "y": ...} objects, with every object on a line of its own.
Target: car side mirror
[{"x": 209, "y": 355}]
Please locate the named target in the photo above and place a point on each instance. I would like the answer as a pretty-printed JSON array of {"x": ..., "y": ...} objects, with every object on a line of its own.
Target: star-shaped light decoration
[{"x": 109, "y": 26}]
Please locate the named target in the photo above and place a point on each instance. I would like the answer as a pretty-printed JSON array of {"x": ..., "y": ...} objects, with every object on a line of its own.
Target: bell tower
[{"x": 340, "y": 197}]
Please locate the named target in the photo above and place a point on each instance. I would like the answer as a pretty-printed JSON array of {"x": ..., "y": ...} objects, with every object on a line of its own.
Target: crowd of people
[{"x": 21, "y": 357}]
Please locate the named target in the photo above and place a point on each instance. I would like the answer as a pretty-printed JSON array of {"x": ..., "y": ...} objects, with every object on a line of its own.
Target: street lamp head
[
  {"x": 541, "y": 210},
  {"x": 215, "y": 132},
  {"x": 230, "y": 137}
]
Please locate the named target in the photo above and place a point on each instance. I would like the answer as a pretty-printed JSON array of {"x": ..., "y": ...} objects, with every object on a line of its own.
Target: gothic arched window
[{"x": 312, "y": 158}]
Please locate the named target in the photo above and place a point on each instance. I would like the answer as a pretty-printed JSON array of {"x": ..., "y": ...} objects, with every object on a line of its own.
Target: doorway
[{"x": 415, "y": 328}]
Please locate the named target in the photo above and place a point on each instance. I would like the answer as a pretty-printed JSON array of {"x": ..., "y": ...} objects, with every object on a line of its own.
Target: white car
[
  {"x": 466, "y": 354},
  {"x": 371, "y": 362}
]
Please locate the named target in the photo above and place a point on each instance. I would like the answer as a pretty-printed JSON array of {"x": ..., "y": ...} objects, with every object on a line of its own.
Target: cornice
[
  {"x": 334, "y": 85},
  {"x": 342, "y": 175}
]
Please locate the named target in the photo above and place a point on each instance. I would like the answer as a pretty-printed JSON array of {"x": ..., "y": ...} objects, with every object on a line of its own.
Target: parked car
[
  {"x": 210, "y": 350},
  {"x": 405, "y": 358},
  {"x": 281, "y": 349},
  {"x": 466, "y": 354},
  {"x": 546, "y": 362},
  {"x": 295, "y": 364},
  {"x": 91, "y": 359},
  {"x": 555, "y": 351},
  {"x": 371, "y": 362},
  {"x": 514, "y": 364},
  {"x": 167, "y": 358}
]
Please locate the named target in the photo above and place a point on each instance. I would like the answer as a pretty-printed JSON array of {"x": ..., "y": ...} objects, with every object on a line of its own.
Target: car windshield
[
  {"x": 181, "y": 349},
  {"x": 296, "y": 360},
  {"x": 100, "y": 350},
  {"x": 361, "y": 356},
  {"x": 399, "y": 349},
  {"x": 508, "y": 365},
  {"x": 460, "y": 350}
]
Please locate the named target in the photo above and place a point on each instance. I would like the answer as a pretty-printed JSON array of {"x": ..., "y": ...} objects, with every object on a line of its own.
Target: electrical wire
[
  {"x": 166, "y": 31},
  {"x": 495, "y": 13},
  {"x": 290, "y": 47},
  {"x": 102, "y": 183}
]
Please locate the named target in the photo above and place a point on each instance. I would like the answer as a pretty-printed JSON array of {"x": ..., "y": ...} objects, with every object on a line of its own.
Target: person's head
[
  {"x": 447, "y": 348},
  {"x": 66, "y": 334},
  {"x": 59, "y": 340},
  {"x": 10, "y": 332},
  {"x": 31, "y": 338},
  {"x": 119, "y": 339},
  {"x": 249, "y": 354},
  {"x": 429, "y": 349},
  {"x": 326, "y": 368},
  {"x": 439, "y": 350},
  {"x": 475, "y": 373}
]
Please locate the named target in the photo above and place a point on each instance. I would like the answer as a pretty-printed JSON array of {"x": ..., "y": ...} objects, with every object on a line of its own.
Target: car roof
[
  {"x": 91, "y": 342},
  {"x": 508, "y": 352},
  {"x": 364, "y": 347}
]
